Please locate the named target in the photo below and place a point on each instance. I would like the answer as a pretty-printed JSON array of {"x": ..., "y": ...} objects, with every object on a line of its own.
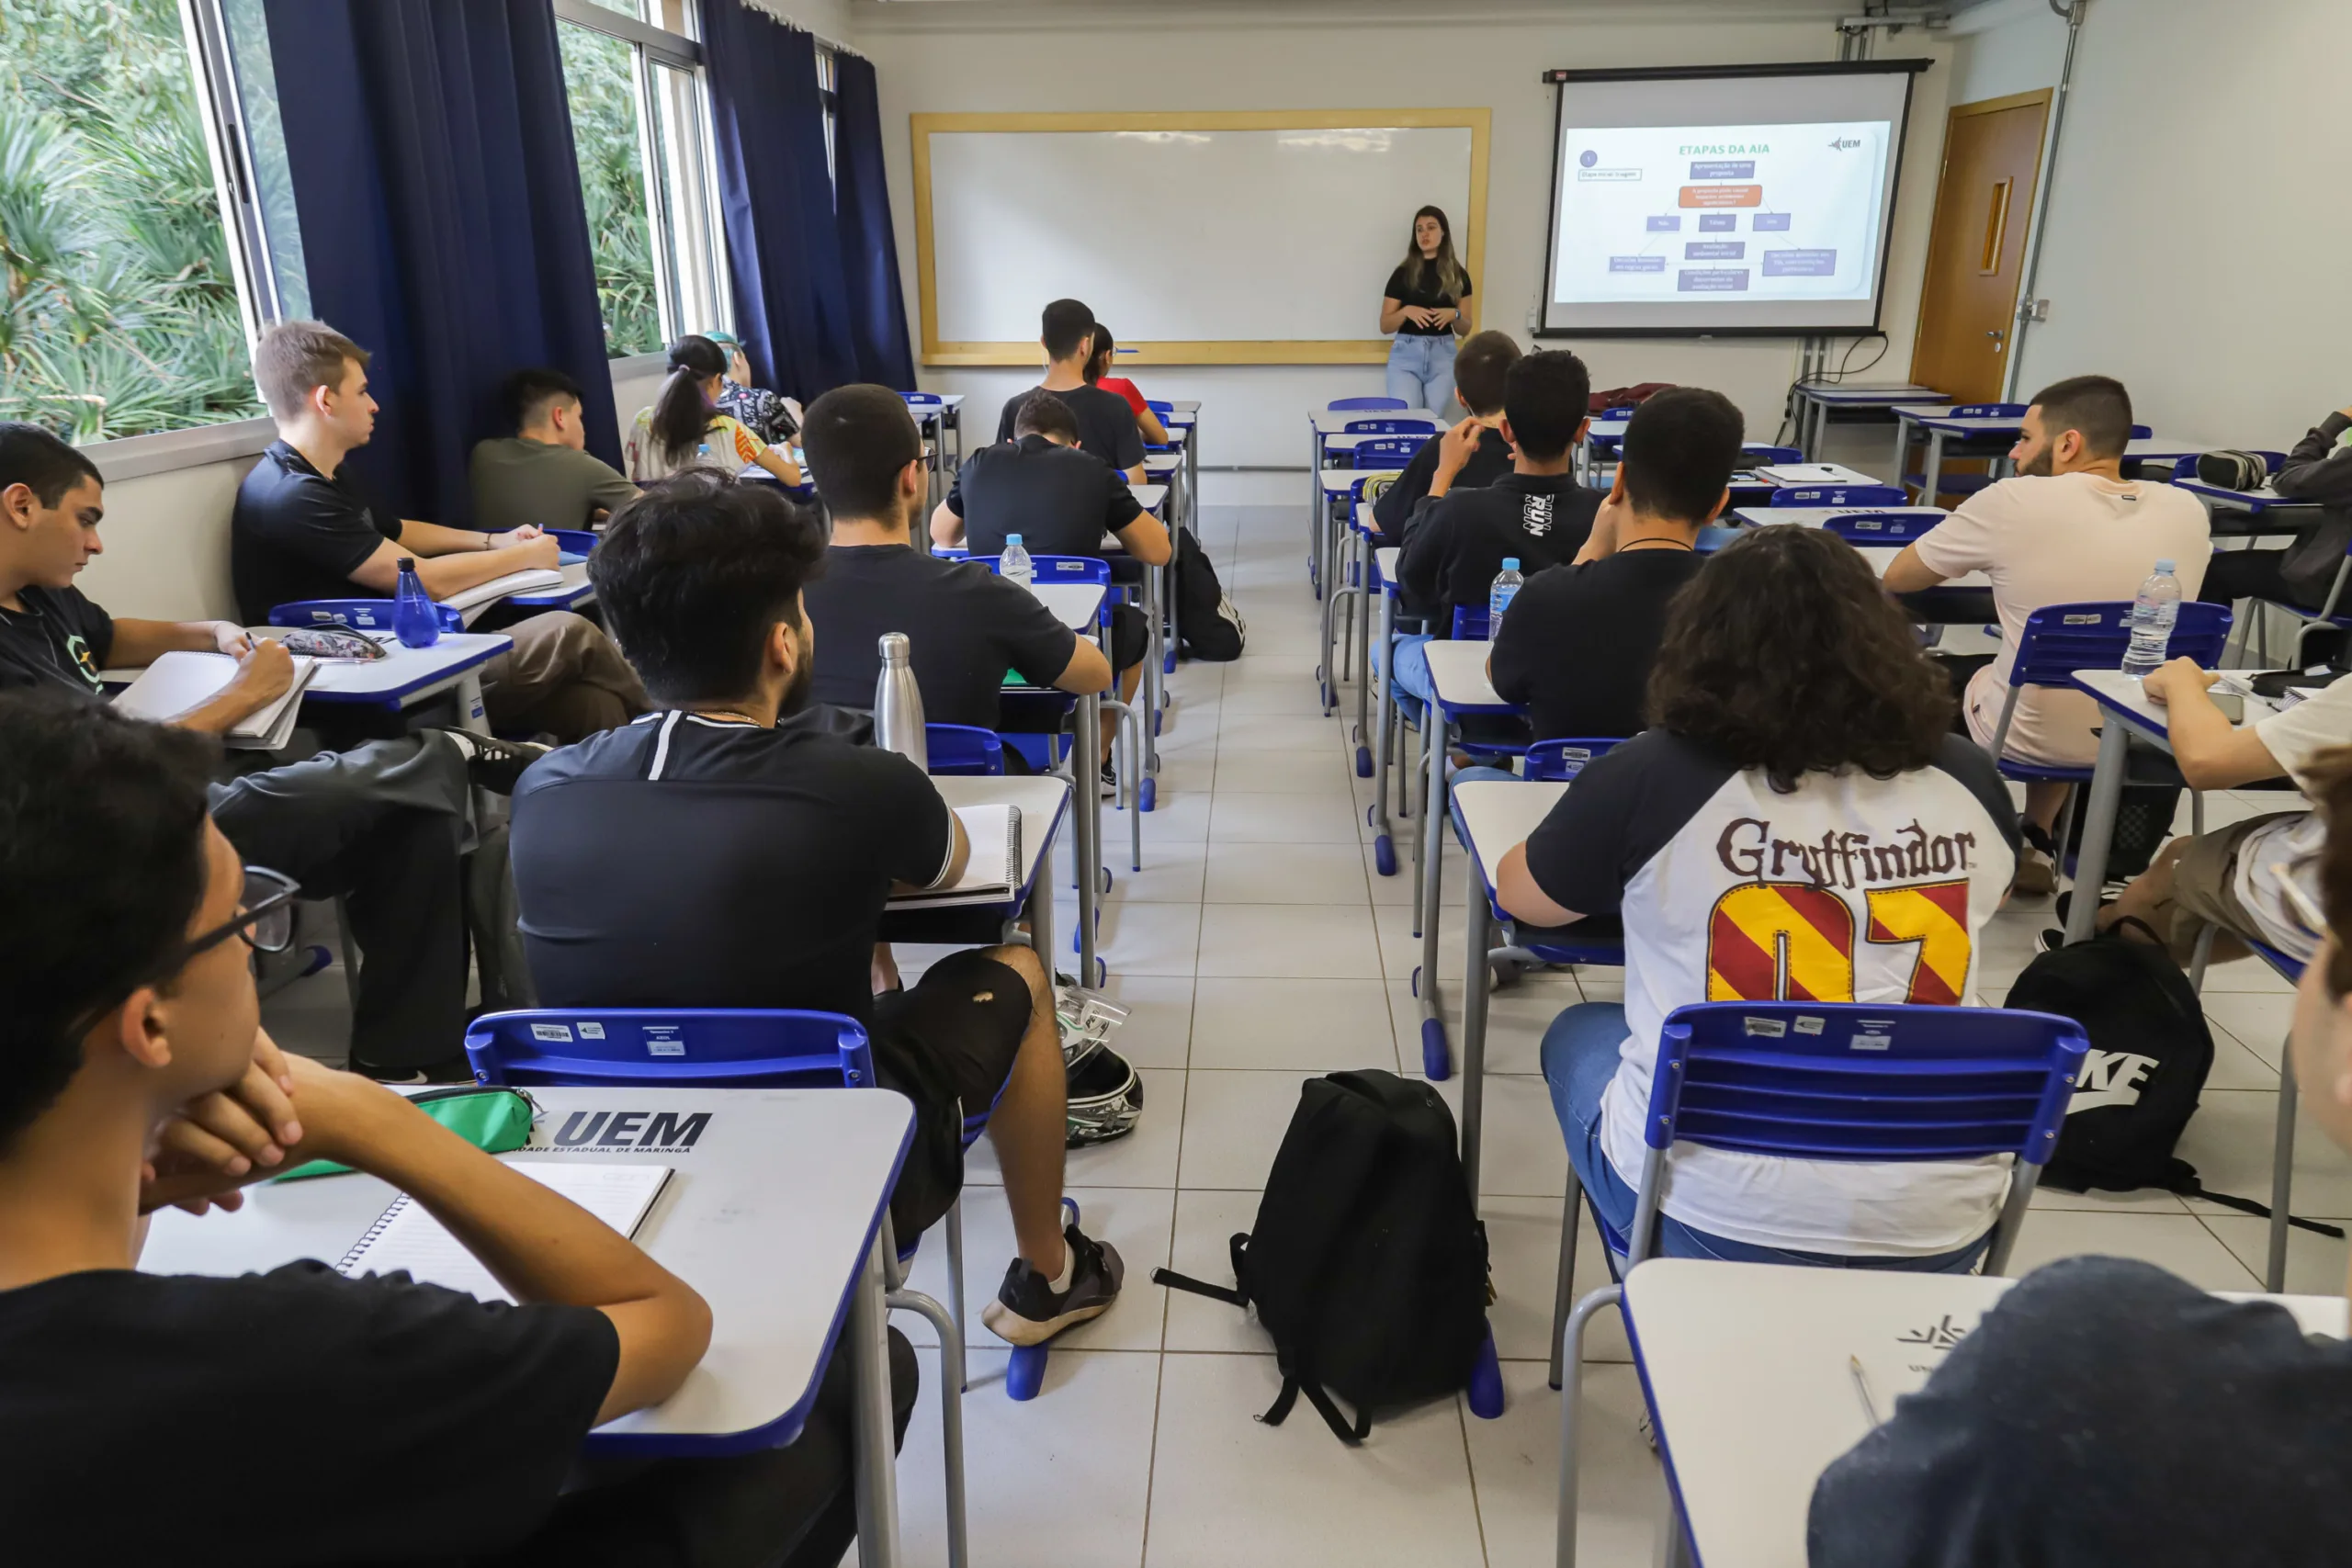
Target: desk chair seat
[
  {"x": 1340, "y": 405},
  {"x": 1832, "y": 1082}
]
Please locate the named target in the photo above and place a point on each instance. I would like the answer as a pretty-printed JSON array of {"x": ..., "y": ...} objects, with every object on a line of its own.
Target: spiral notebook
[
  {"x": 993, "y": 874},
  {"x": 407, "y": 1237}
]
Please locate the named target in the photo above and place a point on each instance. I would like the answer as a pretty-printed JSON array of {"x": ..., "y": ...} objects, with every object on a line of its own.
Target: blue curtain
[
  {"x": 777, "y": 201},
  {"x": 878, "y": 306},
  {"x": 438, "y": 190}
]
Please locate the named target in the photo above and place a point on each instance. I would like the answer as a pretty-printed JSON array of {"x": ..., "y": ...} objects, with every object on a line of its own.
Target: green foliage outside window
[{"x": 600, "y": 80}]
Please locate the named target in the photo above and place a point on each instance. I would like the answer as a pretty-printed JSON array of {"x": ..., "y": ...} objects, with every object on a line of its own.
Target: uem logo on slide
[{"x": 1841, "y": 143}]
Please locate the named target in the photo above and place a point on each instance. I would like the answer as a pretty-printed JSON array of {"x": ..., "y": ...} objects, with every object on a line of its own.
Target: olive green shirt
[{"x": 517, "y": 481}]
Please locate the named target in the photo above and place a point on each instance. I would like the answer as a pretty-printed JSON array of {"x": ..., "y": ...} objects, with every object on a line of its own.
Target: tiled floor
[{"x": 1259, "y": 945}]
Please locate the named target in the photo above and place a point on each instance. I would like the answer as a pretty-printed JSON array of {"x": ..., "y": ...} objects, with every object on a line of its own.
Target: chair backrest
[
  {"x": 1840, "y": 495},
  {"x": 1552, "y": 761},
  {"x": 1987, "y": 411},
  {"x": 1765, "y": 452},
  {"x": 1879, "y": 527},
  {"x": 2062, "y": 638},
  {"x": 963, "y": 751},
  {"x": 360, "y": 614},
  {"x": 1860, "y": 1081},
  {"x": 2142, "y": 432},
  {"x": 1398, "y": 425},
  {"x": 924, "y": 399},
  {"x": 1387, "y": 451},
  {"x": 577, "y": 541},
  {"x": 1056, "y": 568},
  {"x": 1469, "y": 623},
  {"x": 1623, "y": 412},
  {"x": 1156, "y": 406},
  {"x": 1340, "y": 405},
  {"x": 672, "y": 1047}
]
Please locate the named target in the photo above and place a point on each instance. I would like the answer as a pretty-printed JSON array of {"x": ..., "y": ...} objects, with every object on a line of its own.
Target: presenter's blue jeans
[
  {"x": 1421, "y": 371},
  {"x": 1579, "y": 1058}
]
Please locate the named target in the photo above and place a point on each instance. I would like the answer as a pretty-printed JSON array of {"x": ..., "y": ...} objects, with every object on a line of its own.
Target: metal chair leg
[
  {"x": 950, "y": 1403},
  {"x": 350, "y": 953},
  {"x": 1571, "y": 1399},
  {"x": 2282, "y": 1173},
  {"x": 1564, "y": 1291},
  {"x": 955, "y": 1229}
]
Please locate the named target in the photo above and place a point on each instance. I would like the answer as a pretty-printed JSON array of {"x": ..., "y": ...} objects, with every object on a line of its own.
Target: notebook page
[{"x": 406, "y": 1235}]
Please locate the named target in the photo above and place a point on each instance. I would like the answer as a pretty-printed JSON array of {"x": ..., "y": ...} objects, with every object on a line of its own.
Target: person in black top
[
  {"x": 1106, "y": 426},
  {"x": 303, "y": 530},
  {"x": 1427, "y": 304},
  {"x": 2318, "y": 471},
  {"x": 1478, "y": 373},
  {"x": 718, "y": 853},
  {"x": 378, "y": 825},
  {"x": 1537, "y": 513},
  {"x": 1577, "y": 647},
  {"x": 965, "y": 627},
  {"x": 433, "y": 1428},
  {"x": 2106, "y": 1412}
]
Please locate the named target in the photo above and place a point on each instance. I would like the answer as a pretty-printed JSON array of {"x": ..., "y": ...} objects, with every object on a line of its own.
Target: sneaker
[
  {"x": 2051, "y": 940},
  {"x": 1110, "y": 781},
  {"x": 493, "y": 764},
  {"x": 449, "y": 1069},
  {"x": 1027, "y": 1311},
  {"x": 2037, "y": 871}
]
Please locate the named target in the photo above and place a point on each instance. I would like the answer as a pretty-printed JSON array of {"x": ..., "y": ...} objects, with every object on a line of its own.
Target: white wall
[
  {"x": 2009, "y": 46},
  {"x": 166, "y": 538},
  {"x": 996, "y": 55}
]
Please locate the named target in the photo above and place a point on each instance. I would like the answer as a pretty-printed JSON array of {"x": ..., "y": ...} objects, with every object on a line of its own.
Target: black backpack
[
  {"x": 2150, "y": 1053},
  {"x": 1211, "y": 627},
  {"x": 1368, "y": 1264}
]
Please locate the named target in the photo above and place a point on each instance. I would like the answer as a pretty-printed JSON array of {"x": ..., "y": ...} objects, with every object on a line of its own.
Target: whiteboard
[{"x": 1213, "y": 238}]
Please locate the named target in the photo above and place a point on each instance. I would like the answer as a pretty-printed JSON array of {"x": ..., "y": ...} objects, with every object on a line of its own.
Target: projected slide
[{"x": 1728, "y": 214}]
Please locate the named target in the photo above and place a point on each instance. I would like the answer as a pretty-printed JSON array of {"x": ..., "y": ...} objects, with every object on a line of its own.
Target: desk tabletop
[
  {"x": 1343, "y": 481},
  {"x": 1185, "y": 405},
  {"x": 2263, "y": 499},
  {"x": 408, "y": 672},
  {"x": 1458, "y": 676},
  {"x": 1748, "y": 1365},
  {"x": 1939, "y": 416},
  {"x": 772, "y": 1205},
  {"x": 1496, "y": 816},
  {"x": 1867, "y": 393},
  {"x": 1041, "y": 802},
  {"x": 574, "y": 589},
  {"x": 2121, "y": 694},
  {"x": 1384, "y": 560},
  {"x": 1335, "y": 421},
  {"x": 1819, "y": 516},
  {"x": 1151, "y": 497},
  {"x": 1077, "y": 604}
]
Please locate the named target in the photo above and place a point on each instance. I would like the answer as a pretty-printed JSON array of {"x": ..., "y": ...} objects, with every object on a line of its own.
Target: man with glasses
[
  {"x": 379, "y": 826},
  {"x": 380, "y": 1417}
]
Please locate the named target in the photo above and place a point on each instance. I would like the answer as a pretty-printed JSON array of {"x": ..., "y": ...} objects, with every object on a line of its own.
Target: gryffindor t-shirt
[{"x": 1849, "y": 888}]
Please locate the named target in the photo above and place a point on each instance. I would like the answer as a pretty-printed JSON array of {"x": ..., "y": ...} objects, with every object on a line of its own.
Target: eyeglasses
[{"x": 265, "y": 921}]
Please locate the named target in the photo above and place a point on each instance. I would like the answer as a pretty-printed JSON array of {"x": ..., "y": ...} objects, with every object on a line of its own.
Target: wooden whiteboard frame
[{"x": 1306, "y": 351}]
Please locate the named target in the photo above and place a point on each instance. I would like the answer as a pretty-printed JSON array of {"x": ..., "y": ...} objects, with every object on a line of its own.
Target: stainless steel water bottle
[{"x": 898, "y": 704}]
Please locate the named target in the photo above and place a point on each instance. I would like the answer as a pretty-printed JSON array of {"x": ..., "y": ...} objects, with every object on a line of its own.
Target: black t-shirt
[
  {"x": 293, "y": 1417},
  {"x": 1106, "y": 426},
  {"x": 1060, "y": 500},
  {"x": 1458, "y": 542},
  {"x": 1490, "y": 462},
  {"x": 60, "y": 641},
  {"x": 297, "y": 534},
  {"x": 2106, "y": 1413},
  {"x": 1431, "y": 294},
  {"x": 1579, "y": 640},
  {"x": 964, "y": 627},
  {"x": 681, "y": 861}
]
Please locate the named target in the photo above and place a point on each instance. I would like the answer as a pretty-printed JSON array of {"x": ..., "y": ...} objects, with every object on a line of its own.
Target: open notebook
[
  {"x": 178, "y": 682},
  {"x": 406, "y": 1235},
  {"x": 993, "y": 873},
  {"x": 536, "y": 578}
]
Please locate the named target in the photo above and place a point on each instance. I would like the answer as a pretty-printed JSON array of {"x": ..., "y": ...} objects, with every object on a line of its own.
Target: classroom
[{"x": 1009, "y": 781}]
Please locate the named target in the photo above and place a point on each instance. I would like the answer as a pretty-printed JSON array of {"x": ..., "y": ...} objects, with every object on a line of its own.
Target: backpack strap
[
  {"x": 1293, "y": 1386},
  {"x": 1175, "y": 1282},
  {"x": 2187, "y": 1186}
]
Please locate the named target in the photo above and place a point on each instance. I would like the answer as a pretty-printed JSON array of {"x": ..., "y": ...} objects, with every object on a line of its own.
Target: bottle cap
[
  {"x": 408, "y": 563},
  {"x": 1510, "y": 563},
  {"x": 2164, "y": 566},
  {"x": 1011, "y": 540}
]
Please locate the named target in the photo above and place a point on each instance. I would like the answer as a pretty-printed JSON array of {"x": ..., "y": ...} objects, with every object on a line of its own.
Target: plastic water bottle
[
  {"x": 1015, "y": 563},
  {"x": 2153, "y": 614},
  {"x": 415, "y": 620},
  {"x": 898, "y": 704},
  {"x": 1507, "y": 582}
]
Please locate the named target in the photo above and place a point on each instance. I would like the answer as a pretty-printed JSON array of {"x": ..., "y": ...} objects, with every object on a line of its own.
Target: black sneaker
[
  {"x": 2051, "y": 940},
  {"x": 1027, "y": 1311},
  {"x": 449, "y": 1069},
  {"x": 1110, "y": 781},
  {"x": 493, "y": 764}
]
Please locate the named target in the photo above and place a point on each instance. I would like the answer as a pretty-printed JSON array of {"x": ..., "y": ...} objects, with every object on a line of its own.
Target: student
[
  {"x": 1798, "y": 791},
  {"x": 1098, "y": 365},
  {"x": 303, "y": 530},
  {"x": 1062, "y": 502},
  {"x": 543, "y": 476},
  {"x": 719, "y": 854},
  {"x": 759, "y": 411},
  {"x": 965, "y": 625},
  {"x": 2068, "y": 528},
  {"x": 1537, "y": 513},
  {"x": 1577, "y": 645},
  {"x": 1426, "y": 305},
  {"x": 2106, "y": 1412},
  {"x": 1106, "y": 426},
  {"x": 2318, "y": 471},
  {"x": 378, "y": 826},
  {"x": 2234, "y": 877},
  {"x": 431, "y": 1426},
  {"x": 684, "y": 427},
  {"x": 1479, "y": 372}
]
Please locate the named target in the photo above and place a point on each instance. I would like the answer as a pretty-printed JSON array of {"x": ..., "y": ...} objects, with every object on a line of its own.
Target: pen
[{"x": 1862, "y": 1388}]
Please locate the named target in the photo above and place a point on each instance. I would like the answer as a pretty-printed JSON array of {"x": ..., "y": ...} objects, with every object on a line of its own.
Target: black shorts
[
  {"x": 1130, "y": 637},
  {"x": 947, "y": 1042}
]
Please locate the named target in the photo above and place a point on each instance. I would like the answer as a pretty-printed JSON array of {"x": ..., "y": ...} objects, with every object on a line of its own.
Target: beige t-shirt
[
  {"x": 2295, "y": 735},
  {"x": 2070, "y": 538}
]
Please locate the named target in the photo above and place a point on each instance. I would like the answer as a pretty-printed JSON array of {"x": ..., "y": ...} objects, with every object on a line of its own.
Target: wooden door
[{"x": 1983, "y": 205}]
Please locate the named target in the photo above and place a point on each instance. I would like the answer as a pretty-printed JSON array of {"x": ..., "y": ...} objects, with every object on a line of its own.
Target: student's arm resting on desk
[
  {"x": 1145, "y": 536},
  {"x": 2210, "y": 751},
  {"x": 1907, "y": 573},
  {"x": 1572, "y": 864},
  {"x": 1969, "y": 540},
  {"x": 1521, "y": 899},
  {"x": 927, "y": 845},
  {"x": 1148, "y": 422},
  {"x": 946, "y": 526},
  {"x": 2318, "y": 468},
  {"x": 446, "y": 573},
  {"x": 264, "y": 670}
]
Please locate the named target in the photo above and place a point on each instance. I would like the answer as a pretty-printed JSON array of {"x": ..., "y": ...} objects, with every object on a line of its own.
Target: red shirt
[{"x": 1125, "y": 388}]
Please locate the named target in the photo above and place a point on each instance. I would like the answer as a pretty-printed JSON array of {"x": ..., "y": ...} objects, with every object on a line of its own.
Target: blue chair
[
  {"x": 573, "y": 541},
  {"x": 1561, "y": 758},
  {"x": 1624, "y": 411},
  {"x": 1424, "y": 425},
  {"x": 360, "y": 615},
  {"x": 1604, "y": 945},
  {"x": 1987, "y": 411},
  {"x": 1879, "y": 527},
  {"x": 1840, "y": 495},
  {"x": 1351, "y": 554},
  {"x": 1340, "y": 405},
  {"x": 963, "y": 751},
  {"x": 1389, "y": 451},
  {"x": 1830, "y": 1082}
]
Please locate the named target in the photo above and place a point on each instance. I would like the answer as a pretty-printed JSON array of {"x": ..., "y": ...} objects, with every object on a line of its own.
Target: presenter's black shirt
[
  {"x": 1106, "y": 426},
  {"x": 1432, "y": 295}
]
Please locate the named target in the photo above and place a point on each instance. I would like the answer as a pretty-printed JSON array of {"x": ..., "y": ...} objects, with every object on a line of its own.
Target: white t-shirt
[
  {"x": 1850, "y": 888},
  {"x": 2068, "y": 539},
  {"x": 2295, "y": 735}
]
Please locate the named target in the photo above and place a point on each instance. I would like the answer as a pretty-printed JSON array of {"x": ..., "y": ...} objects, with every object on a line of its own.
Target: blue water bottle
[{"x": 416, "y": 620}]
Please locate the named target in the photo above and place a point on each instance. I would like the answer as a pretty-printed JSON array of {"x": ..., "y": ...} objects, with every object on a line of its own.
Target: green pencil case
[{"x": 493, "y": 1120}]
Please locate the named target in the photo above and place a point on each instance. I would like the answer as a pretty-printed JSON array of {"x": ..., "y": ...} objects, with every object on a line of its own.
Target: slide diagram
[{"x": 1754, "y": 213}]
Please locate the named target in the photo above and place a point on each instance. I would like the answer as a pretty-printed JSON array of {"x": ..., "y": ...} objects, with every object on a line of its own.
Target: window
[
  {"x": 828, "y": 94},
  {"x": 633, "y": 76},
  {"x": 120, "y": 309}
]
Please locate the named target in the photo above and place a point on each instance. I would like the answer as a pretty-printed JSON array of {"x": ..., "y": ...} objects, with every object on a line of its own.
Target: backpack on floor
[
  {"x": 1211, "y": 627},
  {"x": 1367, "y": 1264},
  {"x": 2143, "y": 815},
  {"x": 2150, "y": 1053}
]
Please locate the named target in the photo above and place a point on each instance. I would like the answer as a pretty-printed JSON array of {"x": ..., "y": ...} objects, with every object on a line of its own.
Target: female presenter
[{"x": 1427, "y": 306}]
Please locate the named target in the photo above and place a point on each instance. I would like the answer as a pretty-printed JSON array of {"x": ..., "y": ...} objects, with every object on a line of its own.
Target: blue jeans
[
  {"x": 1412, "y": 673},
  {"x": 1421, "y": 371},
  {"x": 1579, "y": 1058}
]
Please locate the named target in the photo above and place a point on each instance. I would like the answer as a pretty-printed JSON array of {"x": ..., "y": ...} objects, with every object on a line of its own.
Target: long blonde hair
[{"x": 1450, "y": 276}]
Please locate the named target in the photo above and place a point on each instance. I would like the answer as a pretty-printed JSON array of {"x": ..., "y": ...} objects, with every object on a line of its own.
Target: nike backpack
[{"x": 1367, "y": 1264}]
